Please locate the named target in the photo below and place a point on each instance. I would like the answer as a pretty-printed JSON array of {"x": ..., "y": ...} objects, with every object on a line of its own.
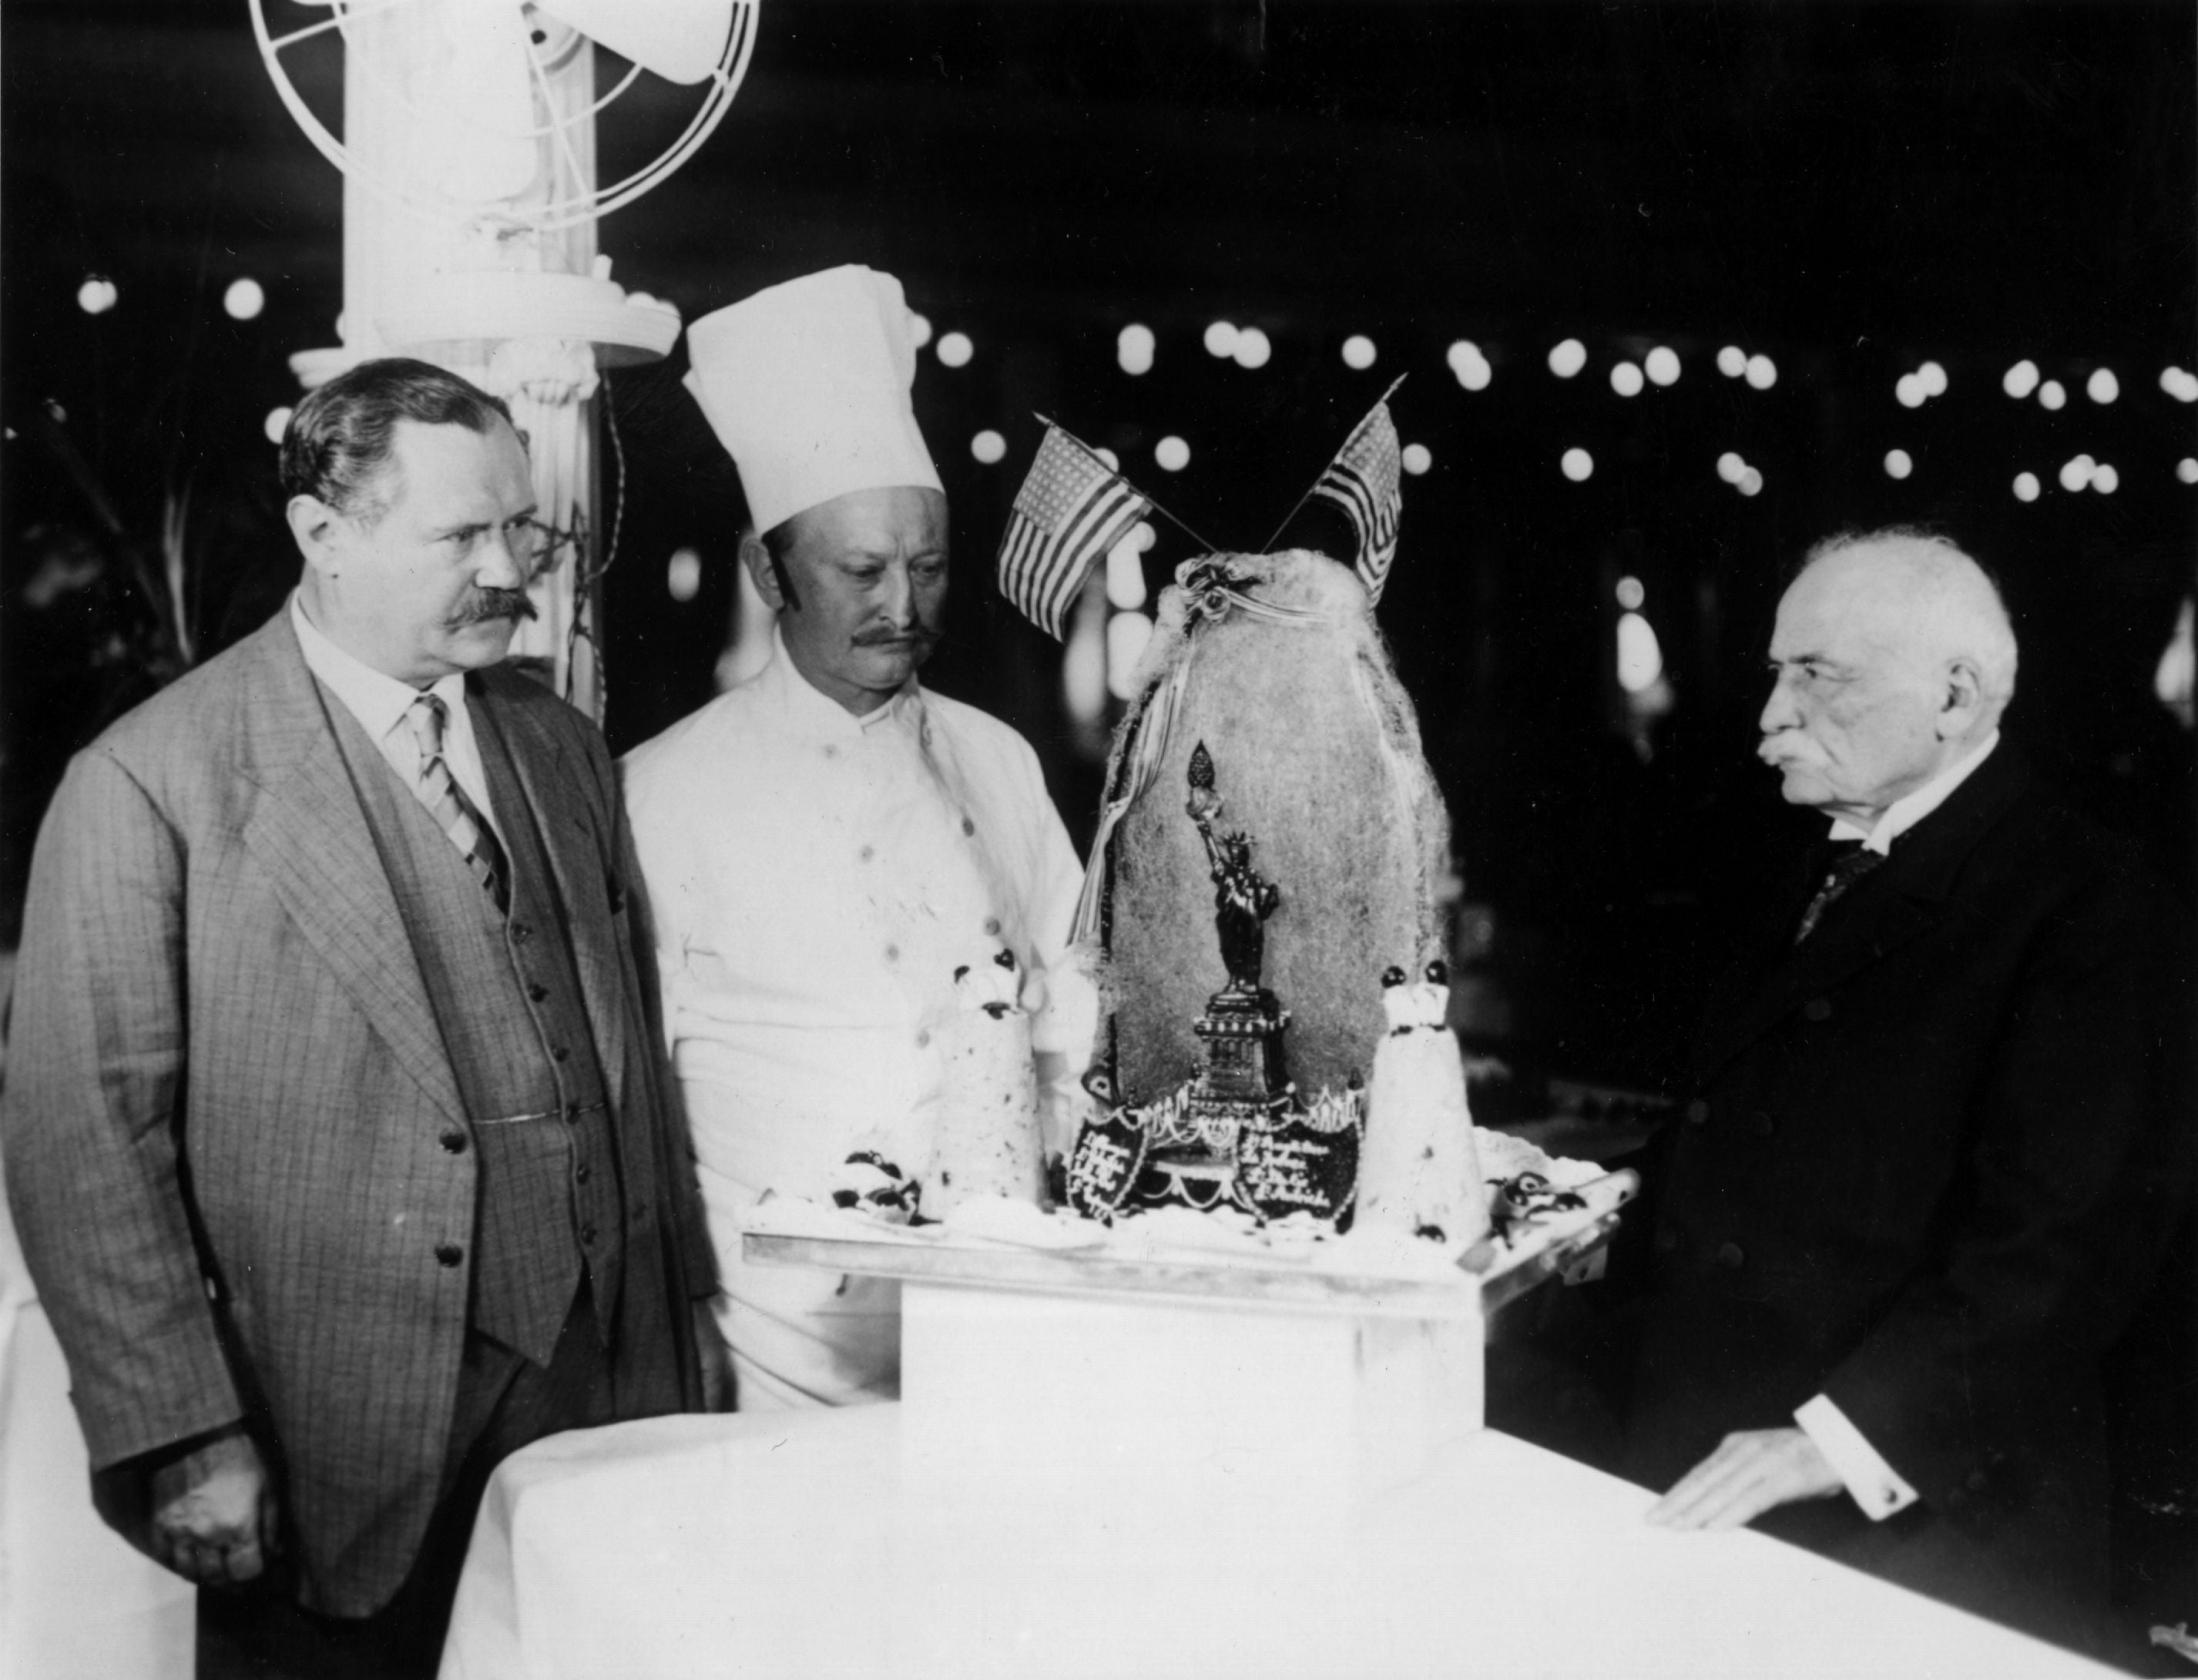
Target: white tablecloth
[
  {"x": 779, "y": 1545},
  {"x": 76, "y": 1602}
]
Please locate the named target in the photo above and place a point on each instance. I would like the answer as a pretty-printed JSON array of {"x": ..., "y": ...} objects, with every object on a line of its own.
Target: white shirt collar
[
  {"x": 377, "y": 699},
  {"x": 817, "y": 711},
  {"x": 1905, "y": 812}
]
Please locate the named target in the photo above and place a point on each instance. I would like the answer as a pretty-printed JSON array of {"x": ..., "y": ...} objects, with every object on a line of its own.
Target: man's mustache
[{"x": 491, "y": 604}]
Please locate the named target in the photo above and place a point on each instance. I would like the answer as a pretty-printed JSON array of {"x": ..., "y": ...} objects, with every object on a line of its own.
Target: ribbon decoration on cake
[
  {"x": 1211, "y": 586},
  {"x": 1072, "y": 508}
]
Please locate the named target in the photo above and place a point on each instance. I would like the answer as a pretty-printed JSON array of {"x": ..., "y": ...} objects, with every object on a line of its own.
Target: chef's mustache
[
  {"x": 490, "y": 604},
  {"x": 891, "y": 638}
]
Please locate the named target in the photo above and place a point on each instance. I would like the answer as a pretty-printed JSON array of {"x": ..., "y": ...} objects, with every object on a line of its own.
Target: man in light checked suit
[{"x": 336, "y": 1127}]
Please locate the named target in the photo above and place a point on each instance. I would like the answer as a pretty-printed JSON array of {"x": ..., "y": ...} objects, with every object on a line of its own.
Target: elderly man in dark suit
[
  {"x": 336, "y": 1128},
  {"x": 1924, "y": 1171}
]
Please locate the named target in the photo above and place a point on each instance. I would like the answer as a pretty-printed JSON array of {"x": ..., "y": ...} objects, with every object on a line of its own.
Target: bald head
[{"x": 1892, "y": 658}]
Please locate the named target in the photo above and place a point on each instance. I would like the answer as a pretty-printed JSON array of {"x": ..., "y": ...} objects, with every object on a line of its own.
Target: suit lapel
[
  {"x": 534, "y": 761},
  {"x": 1897, "y": 903},
  {"x": 310, "y": 834}
]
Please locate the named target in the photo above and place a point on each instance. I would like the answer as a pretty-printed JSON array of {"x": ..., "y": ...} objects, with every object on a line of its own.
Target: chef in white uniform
[{"x": 825, "y": 844}]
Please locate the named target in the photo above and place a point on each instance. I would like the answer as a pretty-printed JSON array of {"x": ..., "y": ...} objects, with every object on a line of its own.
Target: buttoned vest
[{"x": 505, "y": 994}]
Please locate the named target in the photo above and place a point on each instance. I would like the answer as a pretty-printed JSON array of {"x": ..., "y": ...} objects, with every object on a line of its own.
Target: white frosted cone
[
  {"x": 1418, "y": 1169},
  {"x": 986, "y": 1142}
]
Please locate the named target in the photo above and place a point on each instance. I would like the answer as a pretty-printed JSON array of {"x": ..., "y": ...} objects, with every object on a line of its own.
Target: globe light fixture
[
  {"x": 1253, "y": 348},
  {"x": 1662, "y": 365},
  {"x": 2025, "y": 486},
  {"x": 97, "y": 294},
  {"x": 1577, "y": 464},
  {"x": 1732, "y": 361},
  {"x": 1908, "y": 391},
  {"x": 277, "y": 423},
  {"x": 2105, "y": 480},
  {"x": 989, "y": 447},
  {"x": 919, "y": 329},
  {"x": 1630, "y": 594},
  {"x": 1417, "y": 459},
  {"x": 1358, "y": 352},
  {"x": 2076, "y": 471},
  {"x": 1625, "y": 379},
  {"x": 1731, "y": 467},
  {"x": 2021, "y": 380},
  {"x": 2103, "y": 387},
  {"x": 1567, "y": 358},
  {"x": 1933, "y": 378},
  {"x": 1897, "y": 464},
  {"x": 1762, "y": 373},
  {"x": 2052, "y": 395},
  {"x": 1134, "y": 348},
  {"x": 244, "y": 300},
  {"x": 1751, "y": 483},
  {"x": 955, "y": 350},
  {"x": 1221, "y": 339},
  {"x": 1172, "y": 454}
]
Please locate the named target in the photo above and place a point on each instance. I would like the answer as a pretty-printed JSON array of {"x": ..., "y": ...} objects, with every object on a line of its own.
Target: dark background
[{"x": 1848, "y": 189}]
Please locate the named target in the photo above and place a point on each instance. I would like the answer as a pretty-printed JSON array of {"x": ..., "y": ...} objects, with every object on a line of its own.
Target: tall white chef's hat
[{"x": 806, "y": 384}]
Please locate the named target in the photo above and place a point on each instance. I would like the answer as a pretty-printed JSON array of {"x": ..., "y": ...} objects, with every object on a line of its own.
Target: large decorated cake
[{"x": 1274, "y": 1069}]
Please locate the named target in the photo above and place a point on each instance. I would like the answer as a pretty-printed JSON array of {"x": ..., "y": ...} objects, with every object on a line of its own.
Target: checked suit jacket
[
  {"x": 1928, "y": 1166},
  {"x": 227, "y": 1089}
]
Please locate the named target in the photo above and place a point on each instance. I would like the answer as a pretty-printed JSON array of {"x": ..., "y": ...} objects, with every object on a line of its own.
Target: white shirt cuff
[{"x": 1875, "y": 1485}]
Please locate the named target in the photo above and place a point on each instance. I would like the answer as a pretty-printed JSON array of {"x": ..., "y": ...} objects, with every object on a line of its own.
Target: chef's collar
[{"x": 817, "y": 711}]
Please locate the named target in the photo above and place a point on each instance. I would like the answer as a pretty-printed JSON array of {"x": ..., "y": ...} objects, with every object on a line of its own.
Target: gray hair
[{"x": 1953, "y": 602}]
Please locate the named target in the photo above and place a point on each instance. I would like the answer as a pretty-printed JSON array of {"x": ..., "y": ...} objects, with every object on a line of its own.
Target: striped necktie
[
  {"x": 1852, "y": 861},
  {"x": 446, "y": 802}
]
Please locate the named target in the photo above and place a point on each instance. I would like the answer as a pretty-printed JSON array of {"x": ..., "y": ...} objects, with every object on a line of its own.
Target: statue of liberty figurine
[{"x": 1243, "y": 899}]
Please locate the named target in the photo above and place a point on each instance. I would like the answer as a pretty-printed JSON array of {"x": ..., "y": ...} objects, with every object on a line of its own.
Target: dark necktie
[
  {"x": 1851, "y": 861},
  {"x": 446, "y": 802}
]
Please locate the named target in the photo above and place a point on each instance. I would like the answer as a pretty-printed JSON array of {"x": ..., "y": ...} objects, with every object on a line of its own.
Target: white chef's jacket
[{"x": 815, "y": 878}]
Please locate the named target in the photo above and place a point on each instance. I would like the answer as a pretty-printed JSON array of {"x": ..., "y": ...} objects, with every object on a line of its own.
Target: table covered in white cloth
[{"x": 783, "y": 1545}]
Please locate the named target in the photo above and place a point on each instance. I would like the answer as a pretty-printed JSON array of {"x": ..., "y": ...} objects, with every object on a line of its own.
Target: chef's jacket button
[
  {"x": 536, "y": 990},
  {"x": 454, "y": 1141},
  {"x": 1818, "y": 1008},
  {"x": 582, "y": 1173},
  {"x": 1761, "y": 1123},
  {"x": 867, "y": 853},
  {"x": 1698, "y": 1112},
  {"x": 992, "y": 925},
  {"x": 449, "y": 1254},
  {"x": 559, "y": 1053},
  {"x": 892, "y": 953},
  {"x": 1729, "y": 1255},
  {"x": 587, "y": 1234},
  {"x": 968, "y": 827},
  {"x": 923, "y": 1039},
  {"x": 1667, "y": 1239}
]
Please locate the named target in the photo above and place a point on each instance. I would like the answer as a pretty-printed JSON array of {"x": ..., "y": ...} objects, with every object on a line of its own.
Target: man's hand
[
  {"x": 715, "y": 1357},
  {"x": 1752, "y": 1471},
  {"x": 213, "y": 1512}
]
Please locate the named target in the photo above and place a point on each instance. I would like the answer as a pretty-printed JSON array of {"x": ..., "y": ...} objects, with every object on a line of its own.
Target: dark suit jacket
[
  {"x": 1925, "y": 1172},
  {"x": 226, "y": 1089}
]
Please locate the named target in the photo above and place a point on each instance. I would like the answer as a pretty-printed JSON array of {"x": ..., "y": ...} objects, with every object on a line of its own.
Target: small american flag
[
  {"x": 1069, "y": 512},
  {"x": 1362, "y": 481}
]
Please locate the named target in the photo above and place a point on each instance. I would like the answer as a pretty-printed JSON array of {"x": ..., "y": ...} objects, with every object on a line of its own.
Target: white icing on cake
[
  {"x": 987, "y": 1143},
  {"x": 1419, "y": 1172}
]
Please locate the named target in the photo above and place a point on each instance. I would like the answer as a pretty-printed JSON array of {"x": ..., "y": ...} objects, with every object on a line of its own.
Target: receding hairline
[{"x": 1955, "y": 608}]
